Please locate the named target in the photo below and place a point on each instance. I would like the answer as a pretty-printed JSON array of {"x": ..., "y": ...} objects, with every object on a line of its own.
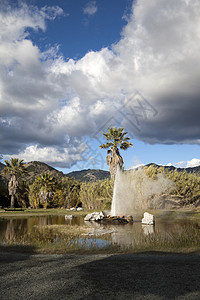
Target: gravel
[{"x": 123, "y": 276}]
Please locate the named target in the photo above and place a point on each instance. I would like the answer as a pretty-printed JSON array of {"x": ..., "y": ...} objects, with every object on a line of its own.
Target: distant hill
[
  {"x": 36, "y": 168},
  {"x": 89, "y": 175},
  {"x": 172, "y": 168}
]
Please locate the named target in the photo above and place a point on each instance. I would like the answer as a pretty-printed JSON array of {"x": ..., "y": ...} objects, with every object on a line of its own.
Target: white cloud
[
  {"x": 193, "y": 163},
  {"x": 46, "y": 100},
  {"x": 90, "y": 8},
  {"x": 64, "y": 157},
  {"x": 180, "y": 164}
]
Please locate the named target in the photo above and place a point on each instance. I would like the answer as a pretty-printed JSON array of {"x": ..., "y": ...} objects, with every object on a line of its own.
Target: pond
[{"x": 55, "y": 234}]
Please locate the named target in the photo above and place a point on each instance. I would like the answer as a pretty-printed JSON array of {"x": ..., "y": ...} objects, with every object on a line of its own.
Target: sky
[{"x": 70, "y": 69}]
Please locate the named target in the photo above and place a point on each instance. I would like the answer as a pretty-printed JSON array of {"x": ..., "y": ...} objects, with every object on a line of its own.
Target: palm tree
[
  {"x": 15, "y": 168},
  {"x": 46, "y": 184},
  {"x": 116, "y": 138}
]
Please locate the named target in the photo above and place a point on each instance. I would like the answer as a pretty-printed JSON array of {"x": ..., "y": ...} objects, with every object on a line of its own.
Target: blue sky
[
  {"x": 70, "y": 69},
  {"x": 77, "y": 32}
]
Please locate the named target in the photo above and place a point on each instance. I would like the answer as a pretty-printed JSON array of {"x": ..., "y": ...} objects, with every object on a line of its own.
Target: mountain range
[{"x": 36, "y": 168}]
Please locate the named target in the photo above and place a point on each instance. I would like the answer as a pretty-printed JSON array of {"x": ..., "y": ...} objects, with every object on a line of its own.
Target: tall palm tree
[
  {"x": 15, "y": 168},
  {"x": 116, "y": 138}
]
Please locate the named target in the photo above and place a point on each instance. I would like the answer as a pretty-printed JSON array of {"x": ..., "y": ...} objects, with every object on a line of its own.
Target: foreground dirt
[{"x": 128, "y": 276}]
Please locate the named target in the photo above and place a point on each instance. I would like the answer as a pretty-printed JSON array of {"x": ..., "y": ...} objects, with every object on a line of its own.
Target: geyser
[
  {"x": 135, "y": 191},
  {"x": 121, "y": 205}
]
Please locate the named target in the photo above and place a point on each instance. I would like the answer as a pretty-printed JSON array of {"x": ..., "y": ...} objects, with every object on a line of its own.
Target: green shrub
[
  {"x": 187, "y": 185},
  {"x": 97, "y": 194}
]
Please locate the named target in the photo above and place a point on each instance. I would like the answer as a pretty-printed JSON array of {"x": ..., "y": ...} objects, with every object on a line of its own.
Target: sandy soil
[{"x": 128, "y": 276}]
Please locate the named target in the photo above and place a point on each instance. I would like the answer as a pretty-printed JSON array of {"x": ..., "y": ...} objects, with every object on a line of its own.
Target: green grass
[{"x": 42, "y": 211}]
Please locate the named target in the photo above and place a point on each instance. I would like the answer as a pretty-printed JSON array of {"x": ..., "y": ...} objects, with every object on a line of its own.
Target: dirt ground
[{"x": 129, "y": 276}]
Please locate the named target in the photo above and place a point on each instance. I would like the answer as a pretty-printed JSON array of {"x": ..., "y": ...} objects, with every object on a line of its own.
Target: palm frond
[
  {"x": 117, "y": 138},
  {"x": 125, "y": 145},
  {"x": 105, "y": 146}
]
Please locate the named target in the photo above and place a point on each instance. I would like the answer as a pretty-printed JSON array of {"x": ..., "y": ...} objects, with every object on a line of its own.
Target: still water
[{"x": 37, "y": 232}]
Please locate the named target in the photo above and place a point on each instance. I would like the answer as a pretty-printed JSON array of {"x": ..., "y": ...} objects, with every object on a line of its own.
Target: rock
[
  {"x": 69, "y": 217},
  {"x": 73, "y": 208},
  {"x": 129, "y": 219},
  {"x": 79, "y": 208},
  {"x": 95, "y": 216},
  {"x": 122, "y": 220},
  {"x": 148, "y": 219},
  {"x": 104, "y": 218}
]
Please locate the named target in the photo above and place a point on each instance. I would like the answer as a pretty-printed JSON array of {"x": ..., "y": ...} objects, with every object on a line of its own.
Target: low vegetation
[{"x": 186, "y": 185}]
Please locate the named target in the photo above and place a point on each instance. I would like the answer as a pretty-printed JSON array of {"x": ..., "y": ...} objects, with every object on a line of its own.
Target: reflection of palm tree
[
  {"x": 116, "y": 138},
  {"x": 10, "y": 231},
  {"x": 15, "y": 168}
]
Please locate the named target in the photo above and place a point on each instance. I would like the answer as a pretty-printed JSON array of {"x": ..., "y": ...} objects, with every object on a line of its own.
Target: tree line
[{"x": 47, "y": 191}]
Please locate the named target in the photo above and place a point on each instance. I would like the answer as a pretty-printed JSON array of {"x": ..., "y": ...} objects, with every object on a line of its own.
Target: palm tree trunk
[
  {"x": 114, "y": 160},
  {"x": 12, "y": 202}
]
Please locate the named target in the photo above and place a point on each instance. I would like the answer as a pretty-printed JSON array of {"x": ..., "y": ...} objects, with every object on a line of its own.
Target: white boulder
[
  {"x": 95, "y": 216},
  {"x": 79, "y": 208},
  {"x": 148, "y": 219},
  {"x": 73, "y": 208},
  {"x": 69, "y": 217}
]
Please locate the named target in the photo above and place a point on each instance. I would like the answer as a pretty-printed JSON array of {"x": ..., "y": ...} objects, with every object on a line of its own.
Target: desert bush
[
  {"x": 186, "y": 185},
  {"x": 96, "y": 195},
  {"x": 153, "y": 171},
  {"x": 67, "y": 193}
]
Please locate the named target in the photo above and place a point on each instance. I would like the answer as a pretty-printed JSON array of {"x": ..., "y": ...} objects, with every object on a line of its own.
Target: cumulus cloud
[
  {"x": 194, "y": 162},
  {"x": 55, "y": 156},
  {"x": 90, "y": 8},
  {"x": 148, "y": 81}
]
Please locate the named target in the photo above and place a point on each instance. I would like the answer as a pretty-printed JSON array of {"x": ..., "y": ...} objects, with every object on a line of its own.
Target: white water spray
[
  {"x": 122, "y": 202},
  {"x": 134, "y": 190}
]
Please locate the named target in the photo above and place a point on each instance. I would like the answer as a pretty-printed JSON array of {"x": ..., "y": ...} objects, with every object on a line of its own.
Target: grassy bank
[{"x": 42, "y": 212}]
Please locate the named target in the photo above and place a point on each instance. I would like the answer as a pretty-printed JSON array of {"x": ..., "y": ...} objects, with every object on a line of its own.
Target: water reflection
[
  {"x": 33, "y": 231},
  {"x": 148, "y": 229}
]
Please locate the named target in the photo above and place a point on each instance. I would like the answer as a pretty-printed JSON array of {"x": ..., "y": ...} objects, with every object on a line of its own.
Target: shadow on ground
[
  {"x": 155, "y": 275},
  {"x": 10, "y": 253}
]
